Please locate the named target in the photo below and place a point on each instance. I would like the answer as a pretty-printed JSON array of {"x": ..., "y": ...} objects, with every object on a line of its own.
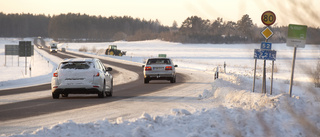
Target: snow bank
[{"x": 241, "y": 113}]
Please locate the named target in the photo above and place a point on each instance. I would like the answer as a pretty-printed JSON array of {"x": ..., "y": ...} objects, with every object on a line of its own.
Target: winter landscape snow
[{"x": 227, "y": 107}]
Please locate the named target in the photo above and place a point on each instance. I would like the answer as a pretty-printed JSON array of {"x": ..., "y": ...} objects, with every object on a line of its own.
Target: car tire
[
  {"x": 55, "y": 96},
  {"x": 173, "y": 80},
  {"x": 109, "y": 94},
  {"x": 146, "y": 80},
  {"x": 103, "y": 92}
]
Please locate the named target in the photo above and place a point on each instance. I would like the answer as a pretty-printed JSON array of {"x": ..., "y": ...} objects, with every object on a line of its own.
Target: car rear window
[
  {"x": 158, "y": 61},
  {"x": 75, "y": 65}
]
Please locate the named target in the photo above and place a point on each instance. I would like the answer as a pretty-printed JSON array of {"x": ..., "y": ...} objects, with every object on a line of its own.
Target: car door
[
  {"x": 107, "y": 75},
  {"x": 100, "y": 74}
]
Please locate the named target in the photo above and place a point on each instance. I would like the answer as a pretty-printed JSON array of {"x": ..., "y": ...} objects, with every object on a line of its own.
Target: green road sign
[
  {"x": 297, "y": 35},
  {"x": 162, "y": 55}
]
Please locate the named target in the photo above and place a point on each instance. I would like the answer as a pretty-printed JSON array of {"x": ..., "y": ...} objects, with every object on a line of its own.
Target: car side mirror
[
  {"x": 143, "y": 66},
  {"x": 109, "y": 69},
  {"x": 175, "y": 65}
]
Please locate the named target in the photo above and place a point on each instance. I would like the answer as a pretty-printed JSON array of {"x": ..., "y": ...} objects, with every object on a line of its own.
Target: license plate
[
  {"x": 157, "y": 68},
  {"x": 74, "y": 83}
]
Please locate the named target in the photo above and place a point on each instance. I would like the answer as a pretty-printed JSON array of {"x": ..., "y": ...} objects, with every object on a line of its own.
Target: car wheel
[
  {"x": 173, "y": 80},
  {"x": 109, "y": 94},
  {"x": 103, "y": 92},
  {"x": 146, "y": 80},
  {"x": 64, "y": 95},
  {"x": 55, "y": 96}
]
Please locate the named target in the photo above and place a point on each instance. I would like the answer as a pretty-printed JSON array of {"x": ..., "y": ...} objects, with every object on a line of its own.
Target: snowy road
[{"x": 38, "y": 109}]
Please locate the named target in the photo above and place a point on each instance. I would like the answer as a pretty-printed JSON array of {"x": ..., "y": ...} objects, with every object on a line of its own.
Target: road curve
[{"x": 47, "y": 105}]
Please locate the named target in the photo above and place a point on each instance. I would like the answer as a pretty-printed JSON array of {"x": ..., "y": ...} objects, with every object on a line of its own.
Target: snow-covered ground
[{"x": 204, "y": 107}]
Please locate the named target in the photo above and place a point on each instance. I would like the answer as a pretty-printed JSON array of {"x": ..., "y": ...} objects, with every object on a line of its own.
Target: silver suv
[
  {"x": 159, "y": 69},
  {"x": 82, "y": 76}
]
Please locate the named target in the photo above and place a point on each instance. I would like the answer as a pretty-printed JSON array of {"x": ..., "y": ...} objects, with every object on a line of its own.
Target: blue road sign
[
  {"x": 266, "y": 46},
  {"x": 265, "y": 54}
]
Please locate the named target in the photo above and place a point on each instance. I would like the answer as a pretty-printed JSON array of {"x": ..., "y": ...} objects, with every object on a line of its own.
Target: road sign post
[
  {"x": 268, "y": 18},
  {"x": 11, "y": 50},
  {"x": 25, "y": 50},
  {"x": 297, "y": 35}
]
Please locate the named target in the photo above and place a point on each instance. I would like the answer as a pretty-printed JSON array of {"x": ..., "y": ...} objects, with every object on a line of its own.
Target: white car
[
  {"x": 82, "y": 76},
  {"x": 53, "y": 49},
  {"x": 159, "y": 69}
]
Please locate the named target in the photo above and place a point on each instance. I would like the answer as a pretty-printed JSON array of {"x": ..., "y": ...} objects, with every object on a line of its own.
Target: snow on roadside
[{"x": 241, "y": 113}]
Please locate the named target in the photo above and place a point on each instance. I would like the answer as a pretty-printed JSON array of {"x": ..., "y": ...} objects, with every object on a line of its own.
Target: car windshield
[
  {"x": 75, "y": 65},
  {"x": 158, "y": 61}
]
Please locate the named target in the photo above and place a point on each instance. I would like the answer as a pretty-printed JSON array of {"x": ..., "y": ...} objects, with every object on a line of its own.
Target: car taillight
[
  {"x": 55, "y": 74},
  {"x": 147, "y": 68},
  {"x": 168, "y": 67},
  {"x": 97, "y": 74}
]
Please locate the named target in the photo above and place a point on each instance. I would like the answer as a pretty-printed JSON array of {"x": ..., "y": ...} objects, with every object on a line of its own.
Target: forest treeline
[{"x": 85, "y": 28}]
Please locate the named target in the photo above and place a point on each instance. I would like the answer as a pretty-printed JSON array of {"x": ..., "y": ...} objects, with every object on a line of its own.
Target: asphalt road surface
[{"x": 47, "y": 105}]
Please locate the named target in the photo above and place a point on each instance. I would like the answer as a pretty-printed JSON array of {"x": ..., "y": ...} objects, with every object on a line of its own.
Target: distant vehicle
[
  {"x": 112, "y": 50},
  {"x": 53, "y": 48},
  {"x": 159, "y": 69},
  {"x": 63, "y": 49},
  {"x": 82, "y": 76},
  {"x": 40, "y": 47}
]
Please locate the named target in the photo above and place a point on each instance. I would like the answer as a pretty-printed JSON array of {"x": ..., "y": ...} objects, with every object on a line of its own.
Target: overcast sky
[{"x": 304, "y": 12}]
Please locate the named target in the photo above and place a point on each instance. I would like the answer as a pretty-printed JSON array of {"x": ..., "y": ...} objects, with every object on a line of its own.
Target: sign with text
[
  {"x": 11, "y": 49},
  {"x": 265, "y": 54},
  {"x": 266, "y": 46},
  {"x": 268, "y": 18},
  {"x": 297, "y": 35}
]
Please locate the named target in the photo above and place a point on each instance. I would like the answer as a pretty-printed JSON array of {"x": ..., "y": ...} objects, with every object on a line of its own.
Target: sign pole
[
  {"x": 264, "y": 77},
  {"x": 254, "y": 74},
  {"x": 26, "y": 61},
  {"x": 272, "y": 77},
  {"x": 297, "y": 36},
  {"x": 292, "y": 70}
]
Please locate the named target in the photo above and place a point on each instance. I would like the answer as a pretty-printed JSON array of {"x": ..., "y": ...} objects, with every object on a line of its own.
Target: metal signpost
[
  {"x": 297, "y": 35},
  {"x": 25, "y": 50},
  {"x": 265, "y": 53}
]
